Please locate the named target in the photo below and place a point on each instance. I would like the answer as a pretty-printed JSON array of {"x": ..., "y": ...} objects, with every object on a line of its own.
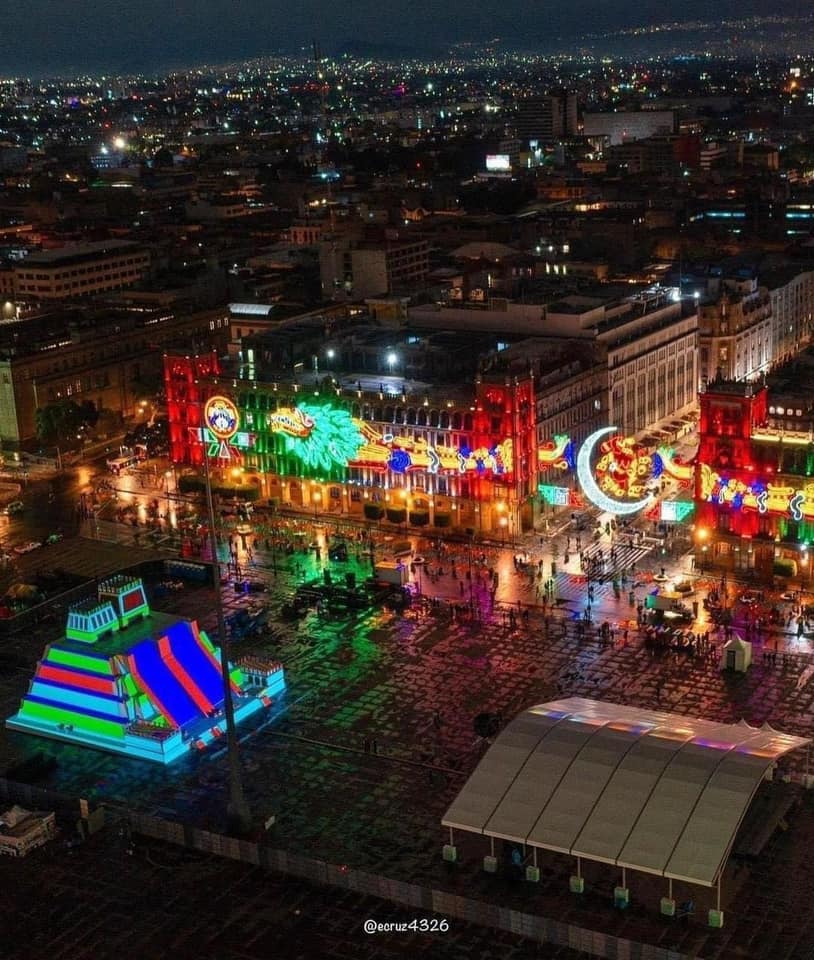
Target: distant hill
[{"x": 374, "y": 50}]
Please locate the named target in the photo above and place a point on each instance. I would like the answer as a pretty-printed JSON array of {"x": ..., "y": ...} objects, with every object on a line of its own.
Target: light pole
[
  {"x": 404, "y": 497},
  {"x": 237, "y": 810},
  {"x": 167, "y": 478}
]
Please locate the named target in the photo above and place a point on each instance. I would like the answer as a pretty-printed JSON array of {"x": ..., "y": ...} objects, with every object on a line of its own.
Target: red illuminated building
[
  {"x": 754, "y": 481},
  {"x": 450, "y": 457}
]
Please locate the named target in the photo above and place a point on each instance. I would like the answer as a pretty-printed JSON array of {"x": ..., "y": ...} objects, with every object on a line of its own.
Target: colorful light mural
[
  {"x": 231, "y": 449},
  {"x": 624, "y": 470},
  {"x": 666, "y": 462},
  {"x": 320, "y": 435},
  {"x": 757, "y": 496},
  {"x": 621, "y": 466},
  {"x": 560, "y": 496},
  {"x": 323, "y": 436},
  {"x": 222, "y": 417},
  {"x": 557, "y": 453}
]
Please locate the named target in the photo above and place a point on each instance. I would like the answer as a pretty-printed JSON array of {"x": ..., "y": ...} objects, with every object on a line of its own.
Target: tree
[{"x": 61, "y": 420}]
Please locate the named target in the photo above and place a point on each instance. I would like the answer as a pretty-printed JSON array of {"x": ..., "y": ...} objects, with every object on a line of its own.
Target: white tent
[{"x": 643, "y": 789}]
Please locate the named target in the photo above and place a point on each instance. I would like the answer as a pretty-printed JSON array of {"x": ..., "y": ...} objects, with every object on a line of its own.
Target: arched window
[
  {"x": 422, "y": 417},
  {"x": 410, "y": 415},
  {"x": 433, "y": 418},
  {"x": 388, "y": 415},
  {"x": 456, "y": 421},
  {"x": 468, "y": 421},
  {"x": 444, "y": 420},
  {"x": 399, "y": 414}
]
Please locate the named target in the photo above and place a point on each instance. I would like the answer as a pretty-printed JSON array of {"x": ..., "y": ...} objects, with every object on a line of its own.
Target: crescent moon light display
[{"x": 591, "y": 488}]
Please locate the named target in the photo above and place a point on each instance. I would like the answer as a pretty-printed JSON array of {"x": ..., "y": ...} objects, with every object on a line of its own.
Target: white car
[{"x": 27, "y": 547}]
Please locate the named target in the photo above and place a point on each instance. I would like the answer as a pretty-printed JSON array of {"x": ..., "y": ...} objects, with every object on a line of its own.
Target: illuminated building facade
[
  {"x": 463, "y": 460},
  {"x": 754, "y": 480}
]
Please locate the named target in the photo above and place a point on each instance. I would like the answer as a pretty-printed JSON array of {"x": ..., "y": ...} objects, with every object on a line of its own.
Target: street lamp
[
  {"x": 167, "y": 478},
  {"x": 701, "y": 535},
  {"x": 317, "y": 498},
  {"x": 500, "y": 506},
  {"x": 404, "y": 496}
]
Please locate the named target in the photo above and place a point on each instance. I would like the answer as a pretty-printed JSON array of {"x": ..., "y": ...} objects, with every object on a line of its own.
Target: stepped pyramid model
[{"x": 136, "y": 682}]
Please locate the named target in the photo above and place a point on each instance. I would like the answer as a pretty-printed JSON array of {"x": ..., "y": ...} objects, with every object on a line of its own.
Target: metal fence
[{"x": 440, "y": 902}]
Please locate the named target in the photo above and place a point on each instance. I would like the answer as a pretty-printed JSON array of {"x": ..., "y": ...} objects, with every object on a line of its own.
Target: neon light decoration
[
  {"x": 557, "y": 453},
  {"x": 231, "y": 449},
  {"x": 675, "y": 511},
  {"x": 757, "y": 496},
  {"x": 672, "y": 467},
  {"x": 152, "y": 691},
  {"x": 221, "y": 417},
  {"x": 323, "y": 436},
  {"x": 625, "y": 469},
  {"x": 560, "y": 496},
  {"x": 556, "y": 496}
]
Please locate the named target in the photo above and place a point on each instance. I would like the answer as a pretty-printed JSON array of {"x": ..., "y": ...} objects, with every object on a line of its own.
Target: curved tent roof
[{"x": 643, "y": 789}]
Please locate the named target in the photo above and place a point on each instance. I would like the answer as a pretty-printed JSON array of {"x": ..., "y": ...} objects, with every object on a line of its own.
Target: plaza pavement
[{"x": 373, "y": 675}]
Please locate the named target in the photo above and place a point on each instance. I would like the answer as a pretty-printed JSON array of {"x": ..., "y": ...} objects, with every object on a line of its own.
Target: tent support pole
[
  {"x": 451, "y": 838},
  {"x": 670, "y": 887},
  {"x": 492, "y": 844},
  {"x": 624, "y": 877},
  {"x": 718, "y": 908},
  {"x": 534, "y": 855},
  {"x": 579, "y": 867}
]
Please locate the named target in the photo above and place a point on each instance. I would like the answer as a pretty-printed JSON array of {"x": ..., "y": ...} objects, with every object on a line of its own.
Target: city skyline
[{"x": 44, "y": 38}]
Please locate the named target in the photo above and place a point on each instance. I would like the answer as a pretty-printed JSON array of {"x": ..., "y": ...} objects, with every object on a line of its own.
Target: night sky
[{"x": 47, "y": 36}]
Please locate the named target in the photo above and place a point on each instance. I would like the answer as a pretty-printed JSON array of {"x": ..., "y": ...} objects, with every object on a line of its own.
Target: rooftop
[{"x": 66, "y": 256}]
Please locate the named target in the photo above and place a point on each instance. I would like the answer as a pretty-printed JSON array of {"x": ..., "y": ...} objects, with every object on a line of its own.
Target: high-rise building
[{"x": 547, "y": 118}]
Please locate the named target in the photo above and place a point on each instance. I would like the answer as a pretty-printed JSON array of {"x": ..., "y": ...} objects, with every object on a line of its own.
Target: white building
[
  {"x": 735, "y": 339},
  {"x": 792, "y": 305},
  {"x": 652, "y": 362}
]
